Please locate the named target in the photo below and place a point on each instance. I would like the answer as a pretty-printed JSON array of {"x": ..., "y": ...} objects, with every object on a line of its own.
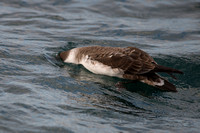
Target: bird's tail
[
  {"x": 155, "y": 80},
  {"x": 167, "y": 86},
  {"x": 160, "y": 68},
  {"x": 167, "y": 70}
]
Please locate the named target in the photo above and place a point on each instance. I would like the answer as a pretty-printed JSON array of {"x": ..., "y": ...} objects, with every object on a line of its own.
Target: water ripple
[{"x": 39, "y": 93}]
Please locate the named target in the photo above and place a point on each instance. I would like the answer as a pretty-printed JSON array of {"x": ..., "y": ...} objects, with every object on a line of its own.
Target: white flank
[{"x": 99, "y": 68}]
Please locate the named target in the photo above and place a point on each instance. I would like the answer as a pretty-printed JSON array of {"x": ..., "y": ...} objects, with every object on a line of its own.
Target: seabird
[{"x": 128, "y": 63}]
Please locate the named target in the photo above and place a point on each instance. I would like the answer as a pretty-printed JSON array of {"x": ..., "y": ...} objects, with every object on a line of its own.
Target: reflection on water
[{"x": 39, "y": 93}]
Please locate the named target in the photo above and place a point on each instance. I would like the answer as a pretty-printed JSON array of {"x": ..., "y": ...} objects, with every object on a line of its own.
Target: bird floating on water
[{"x": 127, "y": 63}]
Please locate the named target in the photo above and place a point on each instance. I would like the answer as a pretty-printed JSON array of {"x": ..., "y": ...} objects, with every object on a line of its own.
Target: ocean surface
[{"x": 41, "y": 94}]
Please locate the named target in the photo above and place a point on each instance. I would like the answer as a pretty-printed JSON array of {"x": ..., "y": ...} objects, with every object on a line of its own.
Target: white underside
[{"x": 99, "y": 68}]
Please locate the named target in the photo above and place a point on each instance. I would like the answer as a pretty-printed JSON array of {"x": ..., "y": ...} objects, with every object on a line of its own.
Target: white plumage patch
[
  {"x": 99, "y": 68},
  {"x": 72, "y": 57},
  {"x": 111, "y": 56},
  {"x": 161, "y": 83},
  {"x": 149, "y": 82}
]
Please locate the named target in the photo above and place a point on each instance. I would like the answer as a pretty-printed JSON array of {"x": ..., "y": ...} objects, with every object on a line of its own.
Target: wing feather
[{"x": 130, "y": 59}]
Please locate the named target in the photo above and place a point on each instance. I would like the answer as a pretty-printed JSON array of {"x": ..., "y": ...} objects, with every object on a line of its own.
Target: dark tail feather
[
  {"x": 168, "y": 70},
  {"x": 170, "y": 74},
  {"x": 159, "y": 82},
  {"x": 167, "y": 86}
]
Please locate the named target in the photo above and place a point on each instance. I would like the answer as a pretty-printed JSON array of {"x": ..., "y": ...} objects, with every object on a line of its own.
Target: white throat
[{"x": 72, "y": 57}]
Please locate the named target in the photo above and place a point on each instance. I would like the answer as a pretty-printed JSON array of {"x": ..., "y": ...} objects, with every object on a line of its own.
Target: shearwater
[{"x": 128, "y": 63}]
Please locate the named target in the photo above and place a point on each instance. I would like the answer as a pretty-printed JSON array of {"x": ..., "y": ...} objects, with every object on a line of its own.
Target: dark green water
[{"x": 39, "y": 94}]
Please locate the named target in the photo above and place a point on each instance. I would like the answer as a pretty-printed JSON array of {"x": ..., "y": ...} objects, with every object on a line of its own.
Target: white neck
[{"x": 72, "y": 57}]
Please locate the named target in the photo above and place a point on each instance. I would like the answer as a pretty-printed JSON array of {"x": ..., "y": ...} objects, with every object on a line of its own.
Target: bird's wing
[
  {"x": 130, "y": 60},
  {"x": 141, "y": 60}
]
